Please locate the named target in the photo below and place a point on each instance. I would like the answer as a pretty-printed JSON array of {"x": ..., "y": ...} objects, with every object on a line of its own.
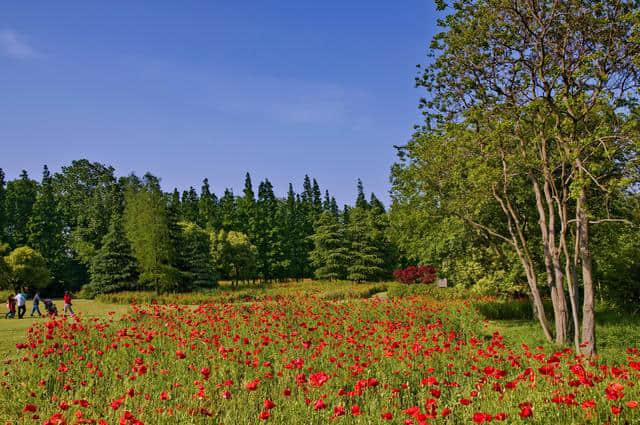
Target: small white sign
[{"x": 443, "y": 283}]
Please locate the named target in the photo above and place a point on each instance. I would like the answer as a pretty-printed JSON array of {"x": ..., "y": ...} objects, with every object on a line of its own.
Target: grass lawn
[{"x": 14, "y": 330}]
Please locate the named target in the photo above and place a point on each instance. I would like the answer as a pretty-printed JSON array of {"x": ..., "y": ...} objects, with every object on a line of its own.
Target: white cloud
[{"x": 13, "y": 45}]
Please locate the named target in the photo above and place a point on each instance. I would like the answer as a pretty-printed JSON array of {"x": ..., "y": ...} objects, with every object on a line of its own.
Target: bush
[
  {"x": 509, "y": 309},
  {"x": 416, "y": 274},
  {"x": 431, "y": 291}
]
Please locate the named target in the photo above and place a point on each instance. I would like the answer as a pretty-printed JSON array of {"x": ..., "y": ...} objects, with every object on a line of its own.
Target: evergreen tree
[
  {"x": 265, "y": 237},
  {"x": 227, "y": 210},
  {"x": 3, "y": 215},
  {"x": 316, "y": 199},
  {"x": 207, "y": 207},
  {"x": 246, "y": 209},
  {"x": 146, "y": 228},
  {"x": 361, "y": 200},
  {"x": 366, "y": 260},
  {"x": 330, "y": 255},
  {"x": 333, "y": 207},
  {"x": 196, "y": 261},
  {"x": 20, "y": 196},
  {"x": 190, "y": 210},
  {"x": 45, "y": 228},
  {"x": 114, "y": 267},
  {"x": 173, "y": 214}
]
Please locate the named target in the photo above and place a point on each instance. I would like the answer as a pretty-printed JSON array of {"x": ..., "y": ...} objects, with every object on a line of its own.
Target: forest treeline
[{"x": 86, "y": 228}]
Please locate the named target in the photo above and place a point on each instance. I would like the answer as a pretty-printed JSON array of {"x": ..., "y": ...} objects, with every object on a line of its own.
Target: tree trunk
[{"x": 588, "y": 345}]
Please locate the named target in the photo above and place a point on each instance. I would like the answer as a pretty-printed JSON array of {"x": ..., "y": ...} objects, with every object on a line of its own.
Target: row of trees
[
  {"x": 126, "y": 233},
  {"x": 528, "y": 157}
]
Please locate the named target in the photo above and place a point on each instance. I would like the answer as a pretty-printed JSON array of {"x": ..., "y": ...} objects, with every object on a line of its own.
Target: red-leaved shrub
[{"x": 416, "y": 274}]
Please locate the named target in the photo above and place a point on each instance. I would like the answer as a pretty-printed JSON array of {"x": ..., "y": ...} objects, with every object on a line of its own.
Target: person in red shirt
[
  {"x": 67, "y": 304},
  {"x": 11, "y": 306}
]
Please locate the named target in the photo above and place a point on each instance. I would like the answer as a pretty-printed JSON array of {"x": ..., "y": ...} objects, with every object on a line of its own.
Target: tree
[
  {"x": 5, "y": 271},
  {"x": 228, "y": 212},
  {"x": 366, "y": 260},
  {"x": 45, "y": 228},
  {"x": 330, "y": 254},
  {"x": 3, "y": 215},
  {"x": 114, "y": 267},
  {"x": 266, "y": 238},
  {"x": 190, "y": 205},
  {"x": 19, "y": 199},
  {"x": 87, "y": 194},
  {"x": 28, "y": 269},
  {"x": 536, "y": 102},
  {"x": 195, "y": 253},
  {"x": 361, "y": 200},
  {"x": 145, "y": 223},
  {"x": 234, "y": 255},
  {"x": 207, "y": 206},
  {"x": 246, "y": 208}
]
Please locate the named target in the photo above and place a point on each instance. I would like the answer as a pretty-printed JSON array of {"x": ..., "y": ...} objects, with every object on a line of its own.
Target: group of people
[{"x": 19, "y": 302}]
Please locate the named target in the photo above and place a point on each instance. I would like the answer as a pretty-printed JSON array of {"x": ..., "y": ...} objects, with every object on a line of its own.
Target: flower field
[{"x": 305, "y": 361}]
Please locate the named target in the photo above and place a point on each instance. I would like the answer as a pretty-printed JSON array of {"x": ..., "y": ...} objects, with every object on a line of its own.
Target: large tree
[
  {"x": 20, "y": 196},
  {"x": 46, "y": 228},
  {"x": 28, "y": 269},
  {"x": 148, "y": 232},
  {"x": 114, "y": 267},
  {"x": 330, "y": 255},
  {"x": 530, "y": 109}
]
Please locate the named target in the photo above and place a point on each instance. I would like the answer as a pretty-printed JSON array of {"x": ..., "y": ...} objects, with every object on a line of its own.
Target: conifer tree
[
  {"x": 114, "y": 268},
  {"x": 246, "y": 209},
  {"x": 45, "y": 228},
  {"x": 207, "y": 207},
  {"x": 196, "y": 262},
  {"x": 265, "y": 238},
  {"x": 20, "y": 196},
  {"x": 173, "y": 214},
  {"x": 366, "y": 260},
  {"x": 190, "y": 210},
  {"x": 228, "y": 213},
  {"x": 361, "y": 200},
  {"x": 316, "y": 200},
  {"x": 330, "y": 255},
  {"x": 3, "y": 216}
]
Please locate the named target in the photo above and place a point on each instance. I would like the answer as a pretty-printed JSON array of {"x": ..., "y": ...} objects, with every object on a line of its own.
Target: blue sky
[{"x": 194, "y": 89}]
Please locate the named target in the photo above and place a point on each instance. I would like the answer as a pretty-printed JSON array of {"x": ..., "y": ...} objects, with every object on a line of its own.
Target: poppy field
[{"x": 296, "y": 360}]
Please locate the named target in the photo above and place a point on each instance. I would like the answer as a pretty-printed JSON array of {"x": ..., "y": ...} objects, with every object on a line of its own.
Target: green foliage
[
  {"x": 146, "y": 227},
  {"x": 5, "y": 271},
  {"x": 366, "y": 258},
  {"x": 46, "y": 228},
  {"x": 19, "y": 198},
  {"x": 28, "y": 268},
  {"x": 196, "y": 261},
  {"x": 114, "y": 267},
  {"x": 330, "y": 254},
  {"x": 233, "y": 255}
]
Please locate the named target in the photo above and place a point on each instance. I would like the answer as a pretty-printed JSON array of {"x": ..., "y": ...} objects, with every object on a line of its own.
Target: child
[
  {"x": 67, "y": 304},
  {"x": 11, "y": 306}
]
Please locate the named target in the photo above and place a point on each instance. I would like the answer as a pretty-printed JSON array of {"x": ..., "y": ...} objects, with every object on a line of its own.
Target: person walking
[
  {"x": 36, "y": 305},
  {"x": 67, "y": 304},
  {"x": 11, "y": 306},
  {"x": 21, "y": 300}
]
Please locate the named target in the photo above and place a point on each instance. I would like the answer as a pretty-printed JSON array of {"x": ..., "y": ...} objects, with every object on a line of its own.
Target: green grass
[{"x": 14, "y": 330}]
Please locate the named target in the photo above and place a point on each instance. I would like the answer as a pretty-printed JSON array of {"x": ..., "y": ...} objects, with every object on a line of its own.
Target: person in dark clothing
[
  {"x": 36, "y": 305},
  {"x": 11, "y": 306}
]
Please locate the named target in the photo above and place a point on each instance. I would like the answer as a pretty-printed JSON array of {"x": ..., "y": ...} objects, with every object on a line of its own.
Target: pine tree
[
  {"x": 265, "y": 238},
  {"x": 173, "y": 214},
  {"x": 146, "y": 227},
  {"x": 45, "y": 228},
  {"x": 190, "y": 210},
  {"x": 366, "y": 260},
  {"x": 20, "y": 196},
  {"x": 196, "y": 261},
  {"x": 316, "y": 199},
  {"x": 3, "y": 215},
  {"x": 246, "y": 209},
  {"x": 114, "y": 268},
  {"x": 228, "y": 220},
  {"x": 330, "y": 255},
  {"x": 207, "y": 207},
  {"x": 361, "y": 200}
]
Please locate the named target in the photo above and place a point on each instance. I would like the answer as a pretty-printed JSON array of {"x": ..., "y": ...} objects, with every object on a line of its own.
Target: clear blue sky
[{"x": 194, "y": 89}]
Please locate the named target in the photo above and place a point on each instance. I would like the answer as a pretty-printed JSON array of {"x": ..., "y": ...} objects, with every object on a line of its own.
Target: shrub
[{"x": 416, "y": 274}]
